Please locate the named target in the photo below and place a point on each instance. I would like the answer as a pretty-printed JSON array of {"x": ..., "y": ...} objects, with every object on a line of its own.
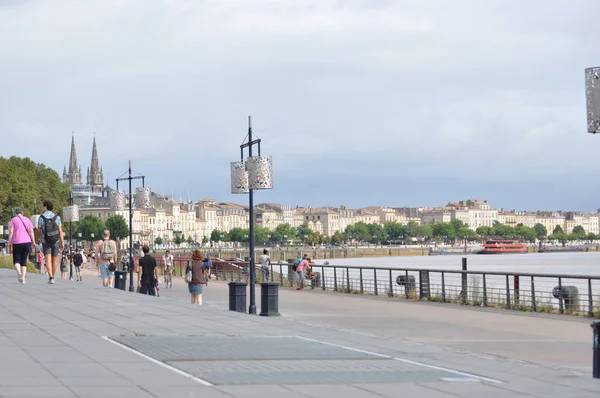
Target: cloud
[{"x": 351, "y": 87}]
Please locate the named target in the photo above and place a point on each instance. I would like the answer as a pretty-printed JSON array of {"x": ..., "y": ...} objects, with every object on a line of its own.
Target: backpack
[
  {"x": 107, "y": 250},
  {"x": 206, "y": 262},
  {"x": 50, "y": 230},
  {"x": 295, "y": 266}
]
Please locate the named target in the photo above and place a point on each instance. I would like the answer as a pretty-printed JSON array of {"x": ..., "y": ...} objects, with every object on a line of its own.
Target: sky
[{"x": 374, "y": 102}]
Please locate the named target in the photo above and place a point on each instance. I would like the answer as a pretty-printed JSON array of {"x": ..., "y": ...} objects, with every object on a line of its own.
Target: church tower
[
  {"x": 73, "y": 175},
  {"x": 95, "y": 178}
]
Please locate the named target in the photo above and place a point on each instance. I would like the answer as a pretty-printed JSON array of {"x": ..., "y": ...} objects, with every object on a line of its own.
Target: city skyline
[{"x": 360, "y": 104}]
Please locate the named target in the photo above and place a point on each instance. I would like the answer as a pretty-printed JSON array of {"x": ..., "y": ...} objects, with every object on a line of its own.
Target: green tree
[
  {"x": 558, "y": 230},
  {"x": 89, "y": 225},
  {"x": 394, "y": 231},
  {"x": 117, "y": 226},
  {"x": 526, "y": 233},
  {"x": 304, "y": 232},
  {"x": 205, "y": 239},
  {"x": 503, "y": 230},
  {"x": 591, "y": 236},
  {"x": 485, "y": 232},
  {"x": 338, "y": 238},
  {"x": 260, "y": 234},
  {"x": 579, "y": 231},
  {"x": 376, "y": 233},
  {"x": 238, "y": 235},
  {"x": 178, "y": 239},
  {"x": 215, "y": 236},
  {"x": 25, "y": 183},
  {"x": 158, "y": 240},
  {"x": 540, "y": 231},
  {"x": 443, "y": 229},
  {"x": 465, "y": 232},
  {"x": 457, "y": 224},
  {"x": 190, "y": 240}
]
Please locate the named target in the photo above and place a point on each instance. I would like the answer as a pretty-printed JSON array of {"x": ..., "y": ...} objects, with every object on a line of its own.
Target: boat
[{"x": 504, "y": 246}]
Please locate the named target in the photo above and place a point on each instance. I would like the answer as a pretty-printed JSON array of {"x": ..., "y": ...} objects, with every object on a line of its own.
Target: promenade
[{"x": 79, "y": 340}]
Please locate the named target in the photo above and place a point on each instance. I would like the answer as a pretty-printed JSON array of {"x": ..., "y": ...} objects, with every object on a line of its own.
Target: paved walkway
[{"x": 77, "y": 339}]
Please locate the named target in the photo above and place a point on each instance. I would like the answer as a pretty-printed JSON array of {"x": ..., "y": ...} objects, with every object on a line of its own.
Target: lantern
[
  {"x": 71, "y": 213},
  {"x": 239, "y": 178},
  {"x": 260, "y": 172},
  {"x": 117, "y": 200},
  {"x": 142, "y": 197},
  {"x": 592, "y": 95}
]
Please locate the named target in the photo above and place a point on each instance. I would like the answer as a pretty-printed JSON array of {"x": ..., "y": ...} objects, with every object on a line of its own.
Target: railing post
[
  {"x": 361, "y": 282},
  {"x": 533, "y": 303},
  {"x": 407, "y": 285},
  {"x": 485, "y": 300},
  {"x": 590, "y": 297},
  {"x": 464, "y": 291},
  {"x": 348, "y": 279},
  {"x": 391, "y": 285},
  {"x": 561, "y": 309},
  {"x": 443, "y": 287},
  {"x": 335, "y": 279},
  {"x": 323, "y": 278},
  {"x": 281, "y": 274},
  {"x": 375, "y": 281},
  {"x": 507, "y": 292}
]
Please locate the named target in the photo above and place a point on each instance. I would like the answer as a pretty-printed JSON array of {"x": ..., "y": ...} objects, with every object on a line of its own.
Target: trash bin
[
  {"x": 237, "y": 296},
  {"x": 120, "y": 280},
  {"x": 410, "y": 283},
  {"x": 315, "y": 281},
  {"x": 269, "y": 299},
  {"x": 569, "y": 295}
]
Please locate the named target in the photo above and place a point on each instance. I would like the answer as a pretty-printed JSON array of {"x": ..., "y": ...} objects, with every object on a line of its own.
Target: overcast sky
[{"x": 374, "y": 102}]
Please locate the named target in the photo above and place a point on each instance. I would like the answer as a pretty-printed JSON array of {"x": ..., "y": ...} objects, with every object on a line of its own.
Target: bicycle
[{"x": 168, "y": 276}]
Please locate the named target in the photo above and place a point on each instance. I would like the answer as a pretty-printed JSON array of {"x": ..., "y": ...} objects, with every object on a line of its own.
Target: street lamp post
[
  {"x": 130, "y": 178},
  {"x": 92, "y": 235},
  {"x": 70, "y": 214},
  {"x": 247, "y": 176}
]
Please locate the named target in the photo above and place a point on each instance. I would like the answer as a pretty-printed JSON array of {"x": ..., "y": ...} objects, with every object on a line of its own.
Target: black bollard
[
  {"x": 237, "y": 296},
  {"x": 596, "y": 350},
  {"x": 269, "y": 299}
]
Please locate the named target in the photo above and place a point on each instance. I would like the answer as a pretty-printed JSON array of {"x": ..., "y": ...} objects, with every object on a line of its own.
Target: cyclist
[{"x": 168, "y": 269}]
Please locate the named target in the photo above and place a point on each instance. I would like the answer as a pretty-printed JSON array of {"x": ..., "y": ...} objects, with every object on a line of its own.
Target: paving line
[
  {"x": 164, "y": 365},
  {"x": 425, "y": 365}
]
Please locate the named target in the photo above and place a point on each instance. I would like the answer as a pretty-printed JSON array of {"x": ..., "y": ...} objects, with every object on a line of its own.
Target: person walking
[
  {"x": 21, "y": 242},
  {"x": 198, "y": 279},
  {"x": 265, "y": 262},
  {"x": 106, "y": 258},
  {"x": 64, "y": 265},
  {"x": 78, "y": 262},
  {"x": 168, "y": 269},
  {"x": 53, "y": 243},
  {"x": 147, "y": 273}
]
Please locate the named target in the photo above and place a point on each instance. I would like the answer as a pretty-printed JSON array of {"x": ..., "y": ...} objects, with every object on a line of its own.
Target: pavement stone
[{"x": 65, "y": 354}]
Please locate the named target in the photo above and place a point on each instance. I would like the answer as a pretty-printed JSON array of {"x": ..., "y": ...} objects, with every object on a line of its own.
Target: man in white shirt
[{"x": 265, "y": 262}]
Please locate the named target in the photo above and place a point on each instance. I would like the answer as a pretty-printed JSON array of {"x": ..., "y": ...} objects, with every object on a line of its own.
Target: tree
[
  {"x": 503, "y": 230},
  {"x": 117, "y": 226},
  {"x": 540, "y": 231},
  {"x": 24, "y": 183},
  {"x": 457, "y": 224},
  {"x": 215, "y": 236},
  {"x": 304, "y": 232},
  {"x": 158, "y": 240},
  {"x": 338, "y": 238},
  {"x": 178, "y": 240},
  {"x": 190, "y": 240},
  {"x": 260, "y": 234},
  {"x": 557, "y": 230},
  {"x": 484, "y": 231},
  {"x": 89, "y": 225},
  {"x": 526, "y": 233},
  {"x": 465, "y": 232},
  {"x": 443, "y": 229},
  {"x": 238, "y": 235},
  {"x": 205, "y": 239},
  {"x": 579, "y": 231}
]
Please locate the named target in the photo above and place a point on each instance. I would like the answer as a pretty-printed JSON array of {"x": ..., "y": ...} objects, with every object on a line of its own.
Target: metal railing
[{"x": 535, "y": 292}]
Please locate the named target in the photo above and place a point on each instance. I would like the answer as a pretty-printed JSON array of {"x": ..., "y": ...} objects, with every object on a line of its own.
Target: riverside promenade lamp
[
  {"x": 71, "y": 215},
  {"x": 142, "y": 201},
  {"x": 592, "y": 96},
  {"x": 247, "y": 176}
]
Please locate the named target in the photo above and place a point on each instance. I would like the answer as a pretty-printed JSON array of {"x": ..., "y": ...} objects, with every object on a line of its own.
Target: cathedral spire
[
  {"x": 72, "y": 175},
  {"x": 95, "y": 179}
]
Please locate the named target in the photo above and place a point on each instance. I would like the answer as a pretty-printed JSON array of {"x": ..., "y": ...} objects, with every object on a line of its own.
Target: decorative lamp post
[
  {"x": 78, "y": 240},
  {"x": 246, "y": 176},
  {"x": 142, "y": 199},
  {"x": 70, "y": 215},
  {"x": 592, "y": 95},
  {"x": 92, "y": 236}
]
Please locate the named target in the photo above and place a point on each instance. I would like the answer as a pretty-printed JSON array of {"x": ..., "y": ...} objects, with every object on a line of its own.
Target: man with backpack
[
  {"x": 53, "y": 243},
  {"x": 106, "y": 258}
]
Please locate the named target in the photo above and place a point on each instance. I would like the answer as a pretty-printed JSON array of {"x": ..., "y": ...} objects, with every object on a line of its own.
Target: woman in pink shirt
[
  {"x": 301, "y": 269},
  {"x": 21, "y": 241}
]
